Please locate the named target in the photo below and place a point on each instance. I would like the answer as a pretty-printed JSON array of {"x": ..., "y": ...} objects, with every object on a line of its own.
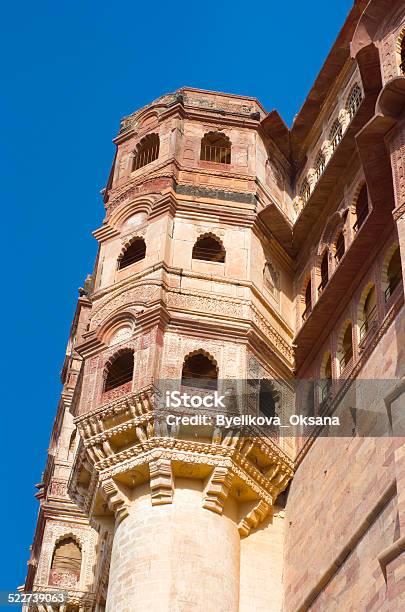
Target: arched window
[
  {"x": 394, "y": 273},
  {"x": 346, "y": 352},
  {"x": 305, "y": 191},
  {"x": 216, "y": 147},
  {"x": 267, "y": 404},
  {"x": 199, "y": 371},
  {"x": 271, "y": 278},
  {"x": 308, "y": 301},
  {"x": 402, "y": 51},
  {"x": 66, "y": 563},
  {"x": 132, "y": 254},
  {"x": 146, "y": 152},
  {"x": 72, "y": 441},
  {"x": 306, "y": 395},
  {"x": 340, "y": 247},
  {"x": 324, "y": 272},
  {"x": 368, "y": 312},
  {"x": 354, "y": 100},
  {"x": 326, "y": 380},
  {"x": 361, "y": 208},
  {"x": 336, "y": 134},
  {"x": 120, "y": 370},
  {"x": 319, "y": 165},
  {"x": 209, "y": 248}
]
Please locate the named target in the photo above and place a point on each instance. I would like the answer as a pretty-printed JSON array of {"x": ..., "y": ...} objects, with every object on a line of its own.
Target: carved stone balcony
[
  {"x": 332, "y": 298},
  {"x": 127, "y": 443},
  {"x": 333, "y": 170}
]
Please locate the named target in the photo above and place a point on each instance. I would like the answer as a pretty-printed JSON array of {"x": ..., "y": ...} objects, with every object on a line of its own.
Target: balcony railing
[
  {"x": 339, "y": 254},
  {"x": 360, "y": 220},
  {"x": 325, "y": 393},
  {"x": 345, "y": 360},
  {"x": 390, "y": 290},
  {"x": 218, "y": 155},
  {"x": 145, "y": 157},
  {"x": 369, "y": 323}
]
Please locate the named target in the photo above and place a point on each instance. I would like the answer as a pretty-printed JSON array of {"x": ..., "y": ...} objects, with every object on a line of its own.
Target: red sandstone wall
[{"x": 343, "y": 511}]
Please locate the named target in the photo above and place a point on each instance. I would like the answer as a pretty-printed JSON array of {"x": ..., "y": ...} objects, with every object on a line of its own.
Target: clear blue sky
[{"x": 70, "y": 71}]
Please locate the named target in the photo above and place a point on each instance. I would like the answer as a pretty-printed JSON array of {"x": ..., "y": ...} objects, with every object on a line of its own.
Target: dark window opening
[
  {"x": 199, "y": 371},
  {"x": 146, "y": 152},
  {"x": 72, "y": 442},
  {"x": 361, "y": 208},
  {"x": 340, "y": 247},
  {"x": 308, "y": 301},
  {"x": 347, "y": 348},
  {"x": 67, "y": 559},
  {"x": 307, "y": 398},
  {"x": 324, "y": 273},
  {"x": 394, "y": 273},
  {"x": 216, "y": 147},
  {"x": 120, "y": 371},
  {"x": 326, "y": 382},
  {"x": 208, "y": 248},
  {"x": 369, "y": 314},
  {"x": 134, "y": 253},
  {"x": 267, "y": 404},
  {"x": 402, "y": 65}
]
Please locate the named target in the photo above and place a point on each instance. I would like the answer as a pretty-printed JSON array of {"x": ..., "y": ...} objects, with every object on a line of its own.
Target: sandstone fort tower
[{"x": 236, "y": 253}]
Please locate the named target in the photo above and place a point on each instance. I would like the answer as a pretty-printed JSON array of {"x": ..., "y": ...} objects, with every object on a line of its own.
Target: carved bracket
[
  {"x": 116, "y": 499},
  {"x": 217, "y": 489},
  {"x": 253, "y": 518},
  {"x": 161, "y": 481}
]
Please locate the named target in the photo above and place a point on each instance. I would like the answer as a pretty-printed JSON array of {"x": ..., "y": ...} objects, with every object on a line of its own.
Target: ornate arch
[
  {"x": 326, "y": 356},
  {"x": 200, "y": 351},
  {"x": 356, "y": 191},
  {"x": 364, "y": 294},
  {"x": 386, "y": 261},
  {"x": 211, "y": 235},
  {"x": 128, "y": 242},
  {"x": 125, "y": 206},
  {"x": 333, "y": 225},
  {"x": 113, "y": 357},
  {"x": 339, "y": 345},
  {"x": 215, "y": 238},
  {"x": 110, "y": 327},
  {"x": 69, "y": 534}
]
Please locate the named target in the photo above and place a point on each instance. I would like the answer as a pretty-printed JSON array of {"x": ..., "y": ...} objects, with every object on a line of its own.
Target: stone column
[
  {"x": 181, "y": 506},
  {"x": 175, "y": 556}
]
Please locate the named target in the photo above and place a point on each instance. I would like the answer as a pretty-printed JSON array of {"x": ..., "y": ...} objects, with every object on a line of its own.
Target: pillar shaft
[{"x": 177, "y": 556}]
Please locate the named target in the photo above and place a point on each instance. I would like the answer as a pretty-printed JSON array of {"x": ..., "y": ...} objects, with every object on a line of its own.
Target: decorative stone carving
[
  {"x": 217, "y": 489},
  {"x": 116, "y": 499},
  {"x": 123, "y": 297},
  {"x": 253, "y": 518},
  {"x": 54, "y": 531},
  {"x": 161, "y": 481}
]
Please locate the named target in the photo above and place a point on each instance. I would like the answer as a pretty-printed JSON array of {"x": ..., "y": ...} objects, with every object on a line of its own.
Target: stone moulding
[{"x": 226, "y": 457}]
